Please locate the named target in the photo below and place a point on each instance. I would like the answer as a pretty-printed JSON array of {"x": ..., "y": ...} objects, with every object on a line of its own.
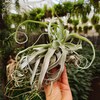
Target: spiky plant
[{"x": 34, "y": 64}]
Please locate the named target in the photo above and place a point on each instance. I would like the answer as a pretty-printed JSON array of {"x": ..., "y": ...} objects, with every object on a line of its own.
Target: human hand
[{"x": 60, "y": 89}]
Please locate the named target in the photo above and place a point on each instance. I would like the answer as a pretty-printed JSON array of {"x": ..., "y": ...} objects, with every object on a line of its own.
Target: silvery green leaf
[
  {"x": 34, "y": 70},
  {"x": 58, "y": 73},
  {"x": 45, "y": 65},
  {"x": 73, "y": 47},
  {"x": 55, "y": 63},
  {"x": 30, "y": 57},
  {"x": 73, "y": 35},
  {"x": 62, "y": 61}
]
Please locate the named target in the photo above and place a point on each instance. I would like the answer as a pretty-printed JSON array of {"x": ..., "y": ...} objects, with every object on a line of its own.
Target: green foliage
[
  {"x": 70, "y": 29},
  {"x": 15, "y": 18},
  {"x": 58, "y": 8},
  {"x": 95, "y": 19},
  {"x": 97, "y": 28},
  {"x": 50, "y": 12},
  {"x": 6, "y": 45},
  {"x": 85, "y": 29},
  {"x": 17, "y": 5},
  {"x": 25, "y": 16},
  {"x": 80, "y": 29},
  {"x": 96, "y": 5},
  {"x": 77, "y": 9},
  {"x": 80, "y": 81},
  {"x": 69, "y": 20},
  {"x": 80, "y": 1},
  {"x": 84, "y": 19},
  {"x": 90, "y": 27},
  {"x": 88, "y": 8},
  {"x": 75, "y": 28},
  {"x": 35, "y": 14},
  {"x": 75, "y": 22},
  {"x": 68, "y": 7}
]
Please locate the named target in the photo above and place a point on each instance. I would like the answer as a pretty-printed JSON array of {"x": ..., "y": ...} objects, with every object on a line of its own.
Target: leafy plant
[
  {"x": 85, "y": 29},
  {"x": 58, "y": 8},
  {"x": 97, "y": 28},
  {"x": 95, "y": 4},
  {"x": 70, "y": 29},
  {"x": 88, "y": 8},
  {"x": 75, "y": 22},
  {"x": 68, "y": 7},
  {"x": 90, "y": 27},
  {"x": 84, "y": 19},
  {"x": 75, "y": 28},
  {"x": 69, "y": 20},
  {"x": 80, "y": 29},
  {"x": 16, "y": 18},
  {"x": 95, "y": 19},
  {"x": 34, "y": 64}
]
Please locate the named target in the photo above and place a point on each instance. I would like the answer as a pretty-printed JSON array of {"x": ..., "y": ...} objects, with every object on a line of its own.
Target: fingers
[{"x": 64, "y": 78}]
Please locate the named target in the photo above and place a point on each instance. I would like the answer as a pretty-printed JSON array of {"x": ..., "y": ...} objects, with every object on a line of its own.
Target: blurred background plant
[{"x": 77, "y": 15}]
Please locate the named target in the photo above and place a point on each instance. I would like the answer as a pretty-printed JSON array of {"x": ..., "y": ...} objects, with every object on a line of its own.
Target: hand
[{"x": 60, "y": 89}]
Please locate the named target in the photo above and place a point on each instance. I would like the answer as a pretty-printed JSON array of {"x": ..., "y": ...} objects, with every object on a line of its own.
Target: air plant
[{"x": 34, "y": 64}]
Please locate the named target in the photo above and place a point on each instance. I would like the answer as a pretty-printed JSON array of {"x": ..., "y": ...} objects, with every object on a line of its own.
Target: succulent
[{"x": 34, "y": 64}]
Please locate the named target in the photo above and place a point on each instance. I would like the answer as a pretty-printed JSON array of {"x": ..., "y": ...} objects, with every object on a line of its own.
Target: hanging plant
[
  {"x": 80, "y": 29},
  {"x": 16, "y": 18},
  {"x": 97, "y": 28},
  {"x": 49, "y": 12},
  {"x": 95, "y": 4},
  {"x": 34, "y": 64},
  {"x": 80, "y": 1},
  {"x": 95, "y": 19},
  {"x": 75, "y": 28},
  {"x": 79, "y": 8},
  {"x": 75, "y": 22},
  {"x": 85, "y": 29},
  {"x": 25, "y": 16},
  {"x": 68, "y": 7},
  {"x": 88, "y": 8},
  {"x": 69, "y": 20},
  {"x": 70, "y": 29},
  {"x": 84, "y": 19},
  {"x": 90, "y": 27},
  {"x": 58, "y": 8}
]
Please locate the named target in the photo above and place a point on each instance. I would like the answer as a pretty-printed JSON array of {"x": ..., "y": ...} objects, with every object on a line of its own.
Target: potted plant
[{"x": 33, "y": 65}]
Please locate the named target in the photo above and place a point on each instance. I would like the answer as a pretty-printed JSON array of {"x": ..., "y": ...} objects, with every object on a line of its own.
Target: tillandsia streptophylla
[{"x": 34, "y": 64}]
